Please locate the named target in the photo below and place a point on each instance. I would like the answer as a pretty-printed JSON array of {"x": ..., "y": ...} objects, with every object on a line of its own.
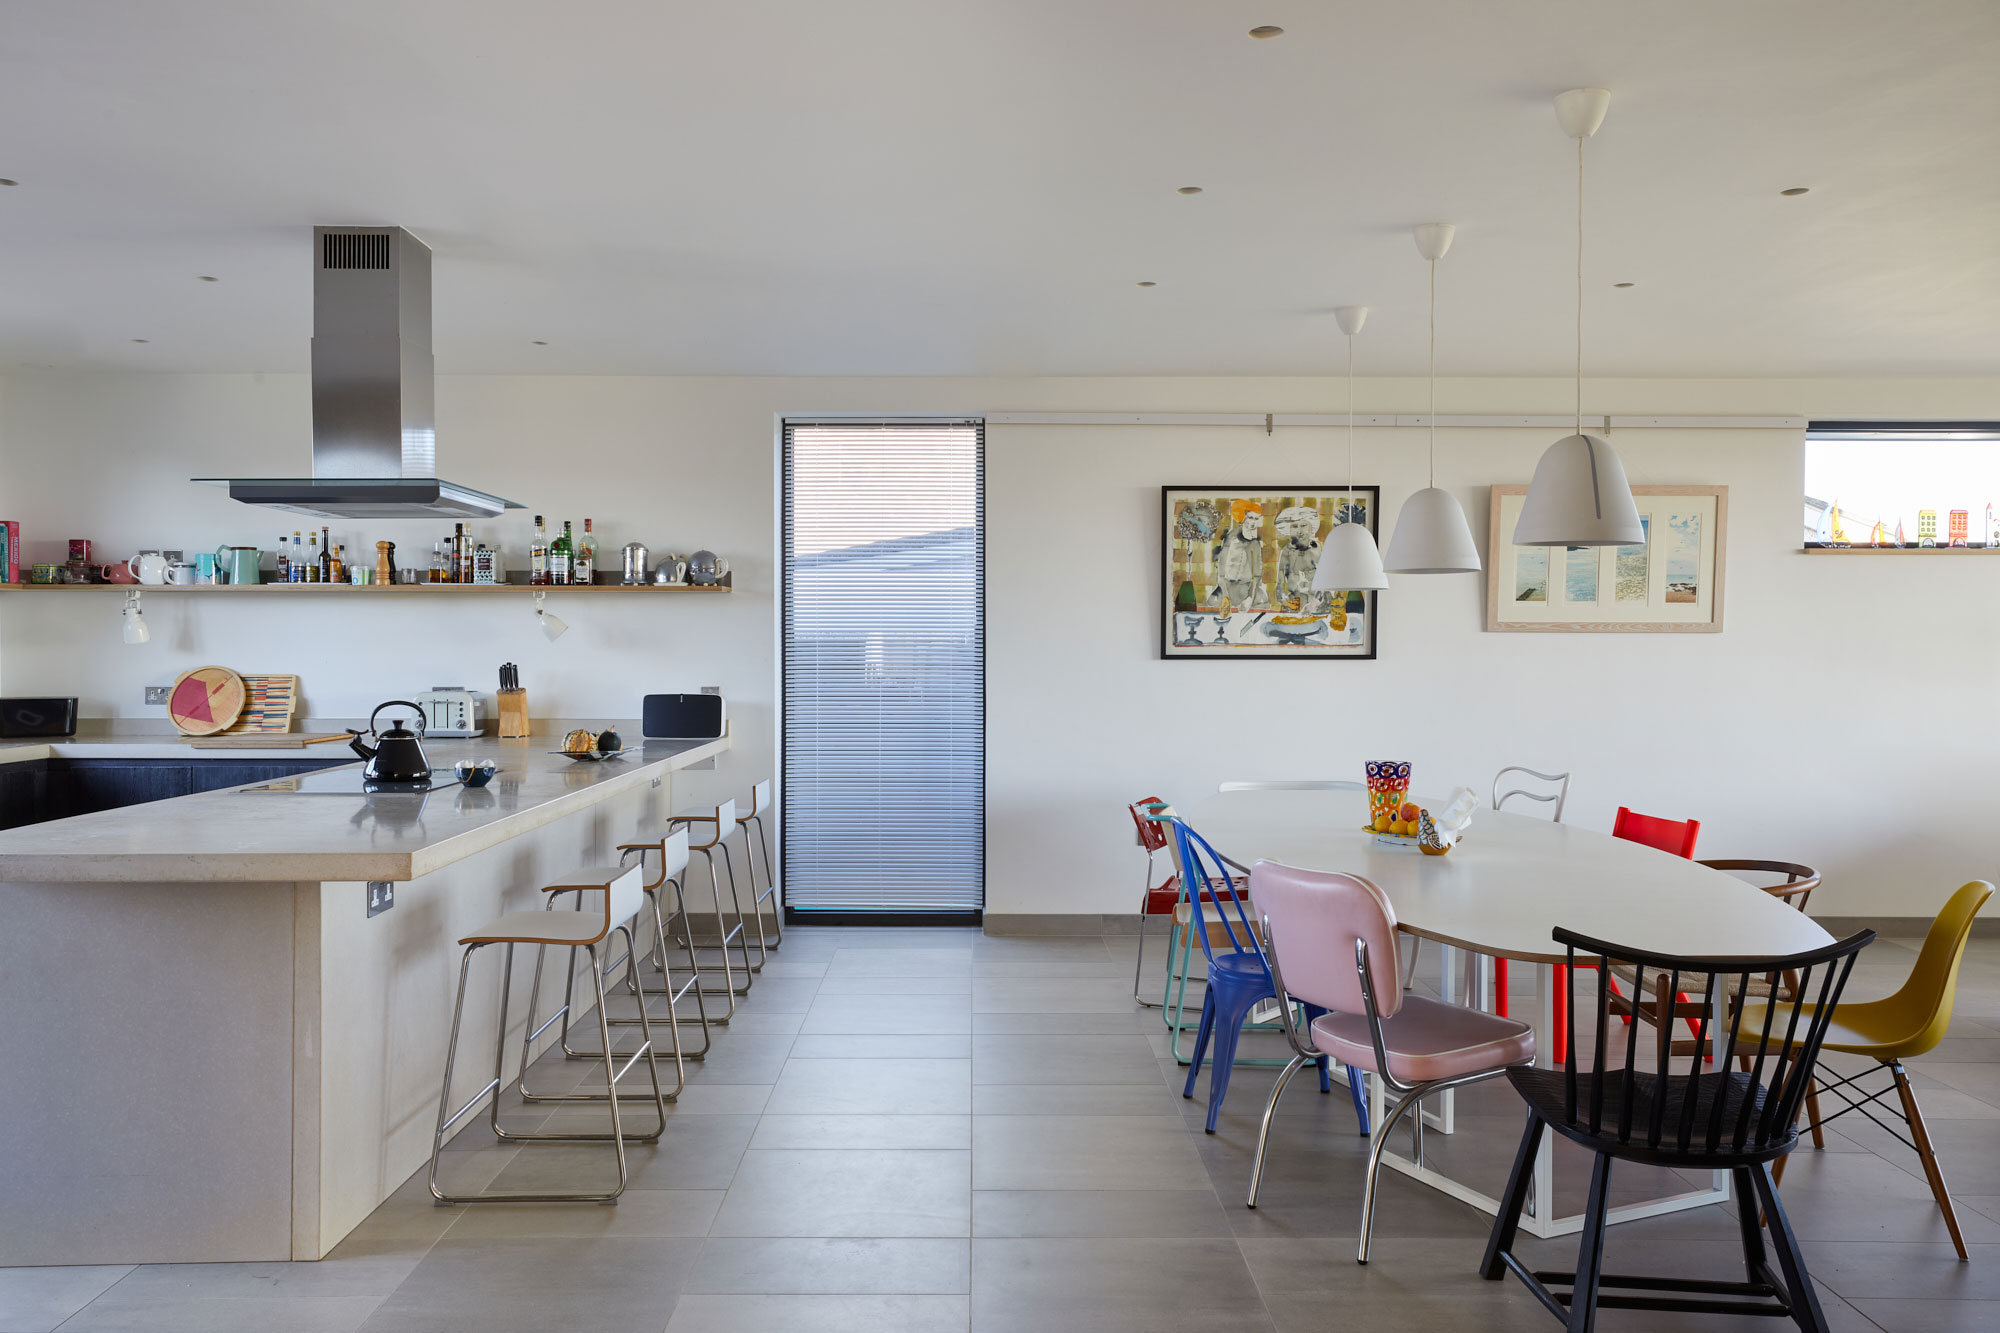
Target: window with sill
[{"x": 1902, "y": 486}]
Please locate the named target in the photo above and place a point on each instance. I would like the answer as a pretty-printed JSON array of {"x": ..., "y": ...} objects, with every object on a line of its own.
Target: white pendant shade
[
  {"x": 1579, "y": 497},
  {"x": 1349, "y": 561},
  {"x": 1432, "y": 537}
]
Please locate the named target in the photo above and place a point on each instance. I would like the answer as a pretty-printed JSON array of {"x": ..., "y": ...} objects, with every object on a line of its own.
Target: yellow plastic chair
[{"x": 1900, "y": 1027}]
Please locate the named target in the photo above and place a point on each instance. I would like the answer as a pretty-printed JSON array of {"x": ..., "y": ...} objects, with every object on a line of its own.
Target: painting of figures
[{"x": 1239, "y": 565}]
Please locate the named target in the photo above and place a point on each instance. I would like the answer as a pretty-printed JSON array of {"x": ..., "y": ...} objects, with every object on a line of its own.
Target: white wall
[{"x": 1842, "y": 718}]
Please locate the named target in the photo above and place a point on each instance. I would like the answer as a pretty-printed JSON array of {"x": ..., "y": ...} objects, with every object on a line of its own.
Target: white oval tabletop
[{"x": 1513, "y": 879}]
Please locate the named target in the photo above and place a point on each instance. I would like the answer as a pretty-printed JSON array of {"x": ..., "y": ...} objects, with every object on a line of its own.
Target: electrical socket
[
  {"x": 711, "y": 689},
  {"x": 157, "y": 694}
]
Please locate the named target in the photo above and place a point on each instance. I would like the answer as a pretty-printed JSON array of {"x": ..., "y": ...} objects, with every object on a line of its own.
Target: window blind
[{"x": 884, "y": 662}]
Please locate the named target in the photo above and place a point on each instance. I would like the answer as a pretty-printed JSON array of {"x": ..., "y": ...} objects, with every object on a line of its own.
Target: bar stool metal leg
[
  {"x": 635, "y": 986},
  {"x": 729, "y": 864},
  {"x": 770, "y": 885}
]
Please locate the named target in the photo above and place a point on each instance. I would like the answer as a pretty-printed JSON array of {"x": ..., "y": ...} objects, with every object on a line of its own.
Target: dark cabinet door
[
  {"x": 86, "y": 786},
  {"x": 215, "y": 774},
  {"x": 21, "y": 792}
]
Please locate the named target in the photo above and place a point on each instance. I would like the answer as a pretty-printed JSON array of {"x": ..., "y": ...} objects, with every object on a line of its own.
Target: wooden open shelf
[{"x": 335, "y": 589}]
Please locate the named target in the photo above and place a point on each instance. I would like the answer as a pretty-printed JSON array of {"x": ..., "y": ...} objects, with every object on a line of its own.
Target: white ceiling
[{"x": 975, "y": 187}]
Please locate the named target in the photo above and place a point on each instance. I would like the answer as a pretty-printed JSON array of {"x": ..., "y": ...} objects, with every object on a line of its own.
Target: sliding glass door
[{"x": 884, "y": 670}]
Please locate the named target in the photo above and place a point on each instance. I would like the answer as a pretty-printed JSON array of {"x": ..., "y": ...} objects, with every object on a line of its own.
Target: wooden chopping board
[
  {"x": 206, "y": 700},
  {"x": 267, "y": 740}
]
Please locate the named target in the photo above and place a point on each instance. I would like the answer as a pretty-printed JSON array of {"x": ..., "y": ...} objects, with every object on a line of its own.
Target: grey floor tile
[
  {"x": 1142, "y": 1022},
  {"x": 915, "y": 962},
  {"x": 1144, "y": 1213},
  {"x": 766, "y": 1022},
  {"x": 771, "y": 994},
  {"x": 695, "y": 1153},
  {"x": 34, "y": 1300},
  {"x": 610, "y": 1284},
  {"x": 366, "y": 1268},
  {"x": 821, "y": 1314},
  {"x": 1109, "y": 1286},
  {"x": 111, "y": 1313},
  {"x": 1919, "y": 1316},
  {"x": 849, "y": 1193},
  {"x": 736, "y": 1057},
  {"x": 1063, "y": 1060},
  {"x": 1088, "y": 1099},
  {"x": 959, "y": 983},
  {"x": 784, "y": 1265},
  {"x": 884, "y": 1086},
  {"x": 889, "y": 1014},
  {"x": 945, "y": 1132},
  {"x": 1052, "y": 995},
  {"x": 637, "y": 1213},
  {"x": 1863, "y": 1270},
  {"x": 1083, "y": 1153},
  {"x": 869, "y": 1047}
]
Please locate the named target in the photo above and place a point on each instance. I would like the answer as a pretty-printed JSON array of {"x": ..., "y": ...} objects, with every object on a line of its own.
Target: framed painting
[
  {"x": 1238, "y": 565},
  {"x": 1671, "y": 583}
]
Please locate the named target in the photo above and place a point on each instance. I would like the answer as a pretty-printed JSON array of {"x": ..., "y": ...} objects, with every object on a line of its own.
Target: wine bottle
[
  {"x": 325, "y": 556},
  {"x": 538, "y": 555},
  {"x": 585, "y": 559}
]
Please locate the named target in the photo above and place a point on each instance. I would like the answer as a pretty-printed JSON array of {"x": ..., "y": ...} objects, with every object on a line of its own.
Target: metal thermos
[{"x": 637, "y": 559}]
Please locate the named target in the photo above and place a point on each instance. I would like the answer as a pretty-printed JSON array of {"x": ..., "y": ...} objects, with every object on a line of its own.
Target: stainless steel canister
[{"x": 637, "y": 562}]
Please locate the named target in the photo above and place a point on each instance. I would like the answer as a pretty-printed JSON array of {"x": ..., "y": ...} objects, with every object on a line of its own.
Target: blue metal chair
[{"x": 1238, "y": 979}]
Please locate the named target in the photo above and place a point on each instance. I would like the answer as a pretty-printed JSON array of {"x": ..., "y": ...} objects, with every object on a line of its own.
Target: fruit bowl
[{"x": 594, "y": 756}]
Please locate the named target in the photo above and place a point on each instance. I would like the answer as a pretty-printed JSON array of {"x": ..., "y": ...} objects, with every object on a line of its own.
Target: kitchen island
[{"x": 212, "y": 1050}]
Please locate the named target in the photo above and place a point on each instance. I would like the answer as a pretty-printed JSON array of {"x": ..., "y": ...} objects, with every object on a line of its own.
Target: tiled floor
[{"x": 917, "y": 1130}]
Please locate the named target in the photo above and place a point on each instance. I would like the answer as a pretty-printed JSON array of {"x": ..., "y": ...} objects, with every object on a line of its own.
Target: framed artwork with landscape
[
  {"x": 1238, "y": 565},
  {"x": 1669, "y": 584}
]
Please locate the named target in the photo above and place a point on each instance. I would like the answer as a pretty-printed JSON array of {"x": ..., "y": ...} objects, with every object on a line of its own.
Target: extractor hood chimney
[{"x": 374, "y": 443}]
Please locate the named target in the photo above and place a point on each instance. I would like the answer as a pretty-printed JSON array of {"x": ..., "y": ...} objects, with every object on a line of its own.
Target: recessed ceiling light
[
  {"x": 206, "y": 277},
  {"x": 142, "y": 340},
  {"x": 1149, "y": 284},
  {"x": 1624, "y": 284},
  {"x": 1265, "y": 31},
  {"x": 1797, "y": 189},
  {"x": 1189, "y": 189},
  {"x": 541, "y": 342},
  {"x": 5, "y": 181}
]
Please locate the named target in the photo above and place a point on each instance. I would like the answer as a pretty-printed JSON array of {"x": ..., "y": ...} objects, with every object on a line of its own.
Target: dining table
[{"x": 1501, "y": 892}]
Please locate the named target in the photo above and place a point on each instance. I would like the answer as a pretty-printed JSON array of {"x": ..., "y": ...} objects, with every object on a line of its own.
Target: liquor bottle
[
  {"x": 325, "y": 556},
  {"x": 284, "y": 561},
  {"x": 340, "y": 563},
  {"x": 538, "y": 555},
  {"x": 585, "y": 560},
  {"x": 454, "y": 552},
  {"x": 467, "y": 547},
  {"x": 298, "y": 558},
  {"x": 437, "y": 561},
  {"x": 312, "y": 557},
  {"x": 560, "y": 552}
]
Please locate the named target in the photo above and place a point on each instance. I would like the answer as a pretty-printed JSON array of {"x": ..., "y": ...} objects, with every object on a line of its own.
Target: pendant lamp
[
  {"x": 1432, "y": 536},
  {"x": 1579, "y": 496},
  {"x": 1349, "y": 561}
]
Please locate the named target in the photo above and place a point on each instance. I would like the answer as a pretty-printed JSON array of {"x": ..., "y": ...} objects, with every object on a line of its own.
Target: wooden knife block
[{"x": 513, "y": 705}]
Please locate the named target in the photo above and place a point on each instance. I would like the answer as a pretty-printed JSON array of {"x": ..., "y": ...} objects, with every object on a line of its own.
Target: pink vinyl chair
[{"x": 1337, "y": 938}]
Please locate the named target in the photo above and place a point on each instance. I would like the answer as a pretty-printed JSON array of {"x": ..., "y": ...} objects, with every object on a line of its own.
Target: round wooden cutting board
[{"x": 205, "y": 700}]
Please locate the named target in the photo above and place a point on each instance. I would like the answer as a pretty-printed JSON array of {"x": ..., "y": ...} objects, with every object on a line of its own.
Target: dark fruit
[{"x": 609, "y": 742}]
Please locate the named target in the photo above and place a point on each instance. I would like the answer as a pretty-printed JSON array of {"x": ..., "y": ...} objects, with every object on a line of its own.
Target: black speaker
[
  {"x": 682, "y": 717},
  {"x": 38, "y": 717}
]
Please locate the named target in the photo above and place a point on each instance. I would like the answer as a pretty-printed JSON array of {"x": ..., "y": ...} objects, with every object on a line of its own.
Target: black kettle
[{"x": 398, "y": 753}]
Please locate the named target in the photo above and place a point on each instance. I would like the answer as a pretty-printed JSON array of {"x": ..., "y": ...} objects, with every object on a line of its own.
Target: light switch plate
[
  {"x": 157, "y": 694},
  {"x": 711, "y": 689}
]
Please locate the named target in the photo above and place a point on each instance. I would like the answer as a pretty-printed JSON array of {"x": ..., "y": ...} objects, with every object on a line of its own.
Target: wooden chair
[{"x": 1697, "y": 1120}]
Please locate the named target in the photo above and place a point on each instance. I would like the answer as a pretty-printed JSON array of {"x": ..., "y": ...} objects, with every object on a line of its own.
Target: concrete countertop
[{"x": 238, "y": 835}]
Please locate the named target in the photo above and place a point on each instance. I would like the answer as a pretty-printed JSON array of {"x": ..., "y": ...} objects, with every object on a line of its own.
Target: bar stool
[
  {"x": 760, "y": 801},
  {"x": 673, "y": 853},
  {"x": 633, "y": 984},
  {"x": 722, "y": 820},
  {"x": 590, "y": 932}
]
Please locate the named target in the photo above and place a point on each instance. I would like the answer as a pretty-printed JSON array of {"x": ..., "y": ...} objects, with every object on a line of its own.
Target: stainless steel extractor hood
[{"x": 374, "y": 442}]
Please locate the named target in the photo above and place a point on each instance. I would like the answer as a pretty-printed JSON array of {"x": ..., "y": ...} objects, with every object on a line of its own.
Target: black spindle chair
[{"x": 1726, "y": 1119}]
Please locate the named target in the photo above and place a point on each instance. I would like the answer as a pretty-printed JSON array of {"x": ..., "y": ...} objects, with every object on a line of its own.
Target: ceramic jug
[{"x": 240, "y": 564}]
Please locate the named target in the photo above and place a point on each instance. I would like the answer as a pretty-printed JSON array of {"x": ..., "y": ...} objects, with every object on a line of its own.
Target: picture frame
[
  {"x": 1235, "y": 588},
  {"x": 1673, "y": 584}
]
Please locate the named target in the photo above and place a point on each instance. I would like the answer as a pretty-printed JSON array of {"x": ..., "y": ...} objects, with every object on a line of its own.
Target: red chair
[
  {"x": 1675, "y": 837},
  {"x": 1156, "y": 900}
]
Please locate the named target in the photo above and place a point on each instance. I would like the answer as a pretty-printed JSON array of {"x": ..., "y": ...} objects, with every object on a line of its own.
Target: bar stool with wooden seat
[
  {"x": 673, "y": 852},
  {"x": 760, "y": 801},
  {"x": 720, "y": 824},
  {"x": 624, "y": 898}
]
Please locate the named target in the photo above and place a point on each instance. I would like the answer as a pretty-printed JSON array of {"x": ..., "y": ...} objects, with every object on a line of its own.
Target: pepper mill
[{"x": 385, "y": 563}]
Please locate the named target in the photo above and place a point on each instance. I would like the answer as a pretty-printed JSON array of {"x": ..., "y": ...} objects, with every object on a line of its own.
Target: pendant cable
[
  {"x": 1434, "y": 373},
  {"x": 1579, "y": 283}
]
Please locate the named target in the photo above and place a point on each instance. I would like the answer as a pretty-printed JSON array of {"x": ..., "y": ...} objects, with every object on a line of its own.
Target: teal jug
[{"x": 241, "y": 563}]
